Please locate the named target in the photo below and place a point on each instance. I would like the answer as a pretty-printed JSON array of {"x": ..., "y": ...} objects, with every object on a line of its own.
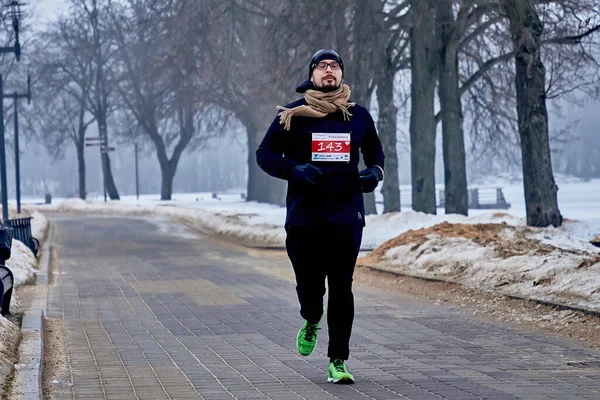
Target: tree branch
[
  {"x": 570, "y": 39},
  {"x": 479, "y": 30},
  {"x": 489, "y": 64},
  {"x": 461, "y": 21}
]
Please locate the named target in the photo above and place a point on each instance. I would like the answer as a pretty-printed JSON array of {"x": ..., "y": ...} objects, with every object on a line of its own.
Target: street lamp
[
  {"x": 16, "y": 96},
  {"x": 137, "y": 184},
  {"x": 15, "y": 14}
]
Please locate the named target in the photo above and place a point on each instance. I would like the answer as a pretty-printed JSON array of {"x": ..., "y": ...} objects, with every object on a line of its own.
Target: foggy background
[{"x": 222, "y": 162}]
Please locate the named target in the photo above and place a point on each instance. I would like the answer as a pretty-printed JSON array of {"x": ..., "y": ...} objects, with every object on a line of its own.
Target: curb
[
  {"x": 28, "y": 378},
  {"x": 560, "y": 306}
]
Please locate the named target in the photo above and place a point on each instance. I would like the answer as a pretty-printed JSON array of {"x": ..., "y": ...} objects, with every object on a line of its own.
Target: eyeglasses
[{"x": 323, "y": 65}]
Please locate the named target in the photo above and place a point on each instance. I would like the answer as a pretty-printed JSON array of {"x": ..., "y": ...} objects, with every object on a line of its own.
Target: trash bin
[{"x": 22, "y": 232}]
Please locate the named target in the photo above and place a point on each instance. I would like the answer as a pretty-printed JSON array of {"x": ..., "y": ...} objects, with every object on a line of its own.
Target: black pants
[{"x": 317, "y": 253}]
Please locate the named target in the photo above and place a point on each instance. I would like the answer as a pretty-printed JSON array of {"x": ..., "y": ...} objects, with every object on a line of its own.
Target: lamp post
[
  {"x": 15, "y": 96},
  {"x": 15, "y": 13},
  {"x": 137, "y": 185}
]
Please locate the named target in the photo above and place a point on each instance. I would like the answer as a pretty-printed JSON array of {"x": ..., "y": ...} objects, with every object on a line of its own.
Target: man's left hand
[{"x": 369, "y": 179}]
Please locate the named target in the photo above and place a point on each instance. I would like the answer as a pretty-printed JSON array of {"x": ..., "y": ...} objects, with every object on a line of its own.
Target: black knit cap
[{"x": 324, "y": 54}]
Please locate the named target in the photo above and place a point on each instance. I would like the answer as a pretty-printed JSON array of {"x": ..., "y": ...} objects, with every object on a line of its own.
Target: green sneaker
[
  {"x": 337, "y": 373},
  {"x": 307, "y": 338}
]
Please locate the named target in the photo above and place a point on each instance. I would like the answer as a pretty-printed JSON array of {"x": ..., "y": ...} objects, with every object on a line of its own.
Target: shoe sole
[{"x": 342, "y": 381}]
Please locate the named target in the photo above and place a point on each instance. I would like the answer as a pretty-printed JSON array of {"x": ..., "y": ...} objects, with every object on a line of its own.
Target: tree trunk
[
  {"x": 111, "y": 188},
  {"x": 453, "y": 142},
  {"x": 80, "y": 144},
  {"x": 386, "y": 126},
  {"x": 362, "y": 68},
  {"x": 167, "y": 174},
  {"x": 168, "y": 166},
  {"x": 100, "y": 108},
  {"x": 540, "y": 189},
  {"x": 261, "y": 187},
  {"x": 422, "y": 117}
]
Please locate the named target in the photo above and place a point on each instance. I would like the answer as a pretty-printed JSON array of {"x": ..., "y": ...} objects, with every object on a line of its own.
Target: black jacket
[{"x": 337, "y": 198}]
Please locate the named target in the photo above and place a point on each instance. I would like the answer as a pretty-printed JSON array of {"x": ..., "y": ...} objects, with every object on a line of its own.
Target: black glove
[
  {"x": 306, "y": 172},
  {"x": 369, "y": 179}
]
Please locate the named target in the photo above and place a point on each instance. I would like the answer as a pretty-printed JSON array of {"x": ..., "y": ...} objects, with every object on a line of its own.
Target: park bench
[
  {"x": 482, "y": 199},
  {"x": 22, "y": 232},
  {"x": 6, "y": 276}
]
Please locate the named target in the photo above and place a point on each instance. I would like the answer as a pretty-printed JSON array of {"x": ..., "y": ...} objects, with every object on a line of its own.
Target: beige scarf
[{"x": 319, "y": 104}]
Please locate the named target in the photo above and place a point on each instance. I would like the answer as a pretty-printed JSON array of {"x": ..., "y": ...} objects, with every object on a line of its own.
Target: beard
[
  {"x": 328, "y": 85},
  {"x": 331, "y": 81}
]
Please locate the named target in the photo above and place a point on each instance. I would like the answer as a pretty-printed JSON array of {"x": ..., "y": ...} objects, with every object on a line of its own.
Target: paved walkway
[{"x": 156, "y": 312}]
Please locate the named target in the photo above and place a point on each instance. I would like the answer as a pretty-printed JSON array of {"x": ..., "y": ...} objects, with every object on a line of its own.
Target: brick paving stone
[{"x": 156, "y": 313}]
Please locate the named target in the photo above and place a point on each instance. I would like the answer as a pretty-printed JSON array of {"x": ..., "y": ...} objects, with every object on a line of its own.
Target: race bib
[{"x": 330, "y": 147}]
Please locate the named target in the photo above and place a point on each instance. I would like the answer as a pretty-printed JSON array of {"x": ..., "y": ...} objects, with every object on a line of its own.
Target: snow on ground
[
  {"x": 251, "y": 224},
  {"x": 22, "y": 262},
  {"x": 497, "y": 251},
  {"x": 498, "y": 257}
]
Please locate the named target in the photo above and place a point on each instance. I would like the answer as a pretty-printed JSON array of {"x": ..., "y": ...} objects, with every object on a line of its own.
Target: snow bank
[
  {"x": 260, "y": 225},
  {"x": 245, "y": 226},
  {"x": 540, "y": 263},
  {"x": 383, "y": 227},
  {"x": 22, "y": 262}
]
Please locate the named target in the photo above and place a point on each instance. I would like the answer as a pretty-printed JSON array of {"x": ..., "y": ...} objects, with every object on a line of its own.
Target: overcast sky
[{"x": 45, "y": 10}]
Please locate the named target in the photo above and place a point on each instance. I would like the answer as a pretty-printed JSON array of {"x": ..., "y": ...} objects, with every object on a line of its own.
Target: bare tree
[
  {"x": 392, "y": 55},
  {"x": 249, "y": 77},
  {"x": 157, "y": 81},
  {"x": 488, "y": 73},
  {"x": 532, "y": 92},
  {"x": 92, "y": 19},
  {"x": 484, "y": 25},
  {"x": 63, "y": 83},
  {"x": 286, "y": 59},
  {"x": 454, "y": 34},
  {"x": 540, "y": 189},
  {"x": 449, "y": 31}
]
